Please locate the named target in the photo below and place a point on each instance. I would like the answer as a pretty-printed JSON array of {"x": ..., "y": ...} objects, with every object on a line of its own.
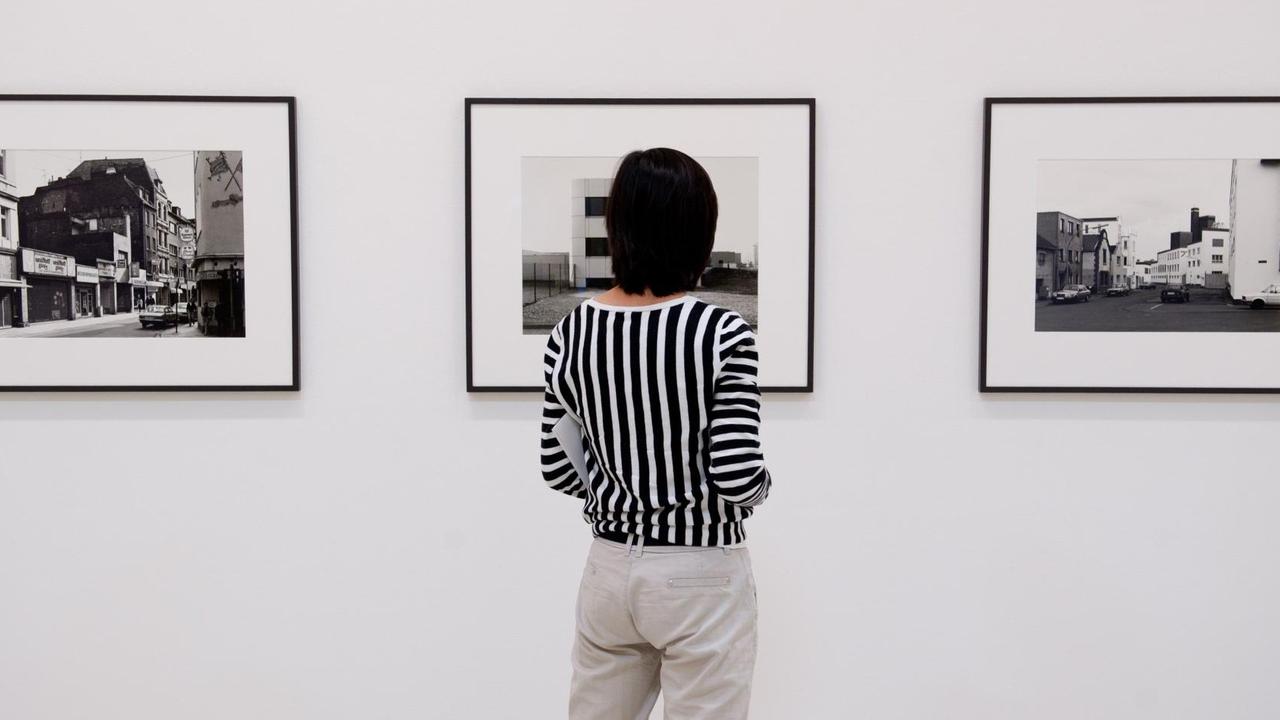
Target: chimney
[{"x": 1195, "y": 225}]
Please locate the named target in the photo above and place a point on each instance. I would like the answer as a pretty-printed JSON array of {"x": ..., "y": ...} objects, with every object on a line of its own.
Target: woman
[{"x": 662, "y": 386}]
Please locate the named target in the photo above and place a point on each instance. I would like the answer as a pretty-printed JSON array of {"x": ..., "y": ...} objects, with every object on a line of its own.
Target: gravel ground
[{"x": 542, "y": 315}]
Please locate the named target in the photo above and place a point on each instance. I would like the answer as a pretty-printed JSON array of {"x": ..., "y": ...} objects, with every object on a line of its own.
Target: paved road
[
  {"x": 1142, "y": 311},
  {"x": 114, "y": 326}
]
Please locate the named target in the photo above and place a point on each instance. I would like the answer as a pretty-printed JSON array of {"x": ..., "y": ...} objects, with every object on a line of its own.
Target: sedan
[
  {"x": 1118, "y": 290},
  {"x": 1175, "y": 293},
  {"x": 158, "y": 316},
  {"x": 1268, "y": 296},
  {"x": 1071, "y": 294}
]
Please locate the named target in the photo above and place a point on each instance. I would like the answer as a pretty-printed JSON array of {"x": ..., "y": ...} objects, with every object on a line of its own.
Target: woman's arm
[
  {"x": 737, "y": 472},
  {"x": 557, "y": 470}
]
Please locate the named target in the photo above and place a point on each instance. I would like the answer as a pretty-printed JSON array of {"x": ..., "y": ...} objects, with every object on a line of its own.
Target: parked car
[
  {"x": 158, "y": 316},
  {"x": 1175, "y": 293},
  {"x": 1071, "y": 294},
  {"x": 186, "y": 312},
  {"x": 1268, "y": 296},
  {"x": 1146, "y": 286},
  {"x": 1118, "y": 290}
]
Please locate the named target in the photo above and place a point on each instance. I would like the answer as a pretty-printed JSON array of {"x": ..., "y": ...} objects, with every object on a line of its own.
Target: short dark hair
[{"x": 661, "y": 221}]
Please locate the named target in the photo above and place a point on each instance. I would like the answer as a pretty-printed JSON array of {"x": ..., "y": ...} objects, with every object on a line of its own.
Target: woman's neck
[{"x": 617, "y": 296}]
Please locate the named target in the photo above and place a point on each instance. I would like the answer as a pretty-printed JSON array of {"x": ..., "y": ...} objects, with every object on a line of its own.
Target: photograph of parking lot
[
  {"x": 1167, "y": 245},
  {"x": 565, "y": 252},
  {"x": 121, "y": 243}
]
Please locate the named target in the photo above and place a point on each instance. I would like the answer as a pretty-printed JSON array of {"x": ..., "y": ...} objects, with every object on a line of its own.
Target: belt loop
[
  {"x": 630, "y": 537},
  {"x": 724, "y": 549},
  {"x": 641, "y": 547}
]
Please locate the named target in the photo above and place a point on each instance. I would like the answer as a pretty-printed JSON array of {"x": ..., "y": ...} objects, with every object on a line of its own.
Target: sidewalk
[
  {"x": 53, "y": 328},
  {"x": 120, "y": 325}
]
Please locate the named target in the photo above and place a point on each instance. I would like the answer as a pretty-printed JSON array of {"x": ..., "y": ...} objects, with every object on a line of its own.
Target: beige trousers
[{"x": 677, "y": 619}]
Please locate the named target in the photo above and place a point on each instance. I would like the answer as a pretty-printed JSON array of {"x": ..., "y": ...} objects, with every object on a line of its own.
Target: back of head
[{"x": 661, "y": 221}]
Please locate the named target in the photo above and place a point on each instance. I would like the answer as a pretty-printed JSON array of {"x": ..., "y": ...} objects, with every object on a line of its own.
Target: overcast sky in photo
[
  {"x": 1152, "y": 197},
  {"x": 30, "y": 169}
]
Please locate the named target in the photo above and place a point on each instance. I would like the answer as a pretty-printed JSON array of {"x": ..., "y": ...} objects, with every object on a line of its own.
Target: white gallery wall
[{"x": 380, "y": 545}]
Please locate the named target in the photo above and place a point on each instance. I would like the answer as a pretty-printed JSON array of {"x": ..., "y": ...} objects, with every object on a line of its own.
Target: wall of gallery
[{"x": 380, "y": 545}]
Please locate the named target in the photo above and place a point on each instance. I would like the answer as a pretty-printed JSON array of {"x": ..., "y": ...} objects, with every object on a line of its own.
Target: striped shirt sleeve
[
  {"x": 737, "y": 471},
  {"x": 557, "y": 470}
]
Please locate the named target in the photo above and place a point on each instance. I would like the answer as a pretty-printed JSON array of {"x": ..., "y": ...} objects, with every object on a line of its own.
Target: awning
[
  {"x": 14, "y": 284},
  {"x": 154, "y": 284}
]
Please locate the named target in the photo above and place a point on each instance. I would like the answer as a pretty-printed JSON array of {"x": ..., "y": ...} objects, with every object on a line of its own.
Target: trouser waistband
[{"x": 636, "y": 544}]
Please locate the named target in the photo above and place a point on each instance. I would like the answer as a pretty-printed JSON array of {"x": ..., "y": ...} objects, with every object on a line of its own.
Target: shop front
[
  {"x": 86, "y": 298},
  {"x": 154, "y": 288},
  {"x": 221, "y": 296},
  {"x": 107, "y": 294},
  {"x": 12, "y": 292},
  {"x": 52, "y": 281}
]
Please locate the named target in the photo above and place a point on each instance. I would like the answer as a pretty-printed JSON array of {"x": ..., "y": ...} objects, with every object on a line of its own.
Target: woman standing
[{"x": 663, "y": 389}]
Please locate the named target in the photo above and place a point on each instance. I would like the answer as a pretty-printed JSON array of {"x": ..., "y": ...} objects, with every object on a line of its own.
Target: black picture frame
[
  {"x": 810, "y": 103},
  {"x": 986, "y": 387},
  {"x": 290, "y": 104}
]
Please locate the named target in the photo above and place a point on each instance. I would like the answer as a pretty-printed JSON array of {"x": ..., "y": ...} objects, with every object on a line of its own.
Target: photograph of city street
[
  {"x": 1167, "y": 245},
  {"x": 121, "y": 244},
  {"x": 565, "y": 252}
]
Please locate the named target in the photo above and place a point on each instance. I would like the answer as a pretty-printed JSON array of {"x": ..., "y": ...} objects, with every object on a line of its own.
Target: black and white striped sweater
[{"x": 669, "y": 406}]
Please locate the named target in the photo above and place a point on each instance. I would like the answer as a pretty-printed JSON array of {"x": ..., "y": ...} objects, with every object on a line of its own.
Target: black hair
[{"x": 661, "y": 221}]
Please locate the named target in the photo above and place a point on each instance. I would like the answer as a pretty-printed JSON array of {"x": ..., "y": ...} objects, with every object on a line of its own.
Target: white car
[
  {"x": 1270, "y": 295},
  {"x": 1070, "y": 294}
]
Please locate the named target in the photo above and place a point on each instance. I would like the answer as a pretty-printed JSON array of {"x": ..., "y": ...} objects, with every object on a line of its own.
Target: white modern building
[
  {"x": 1170, "y": 267},
  {"x": 590, "y": 264},
  {"x": 1206, "y": 261},
  {"x": 1142, "y": 273},
  {"x": 1253, "y": 245}
]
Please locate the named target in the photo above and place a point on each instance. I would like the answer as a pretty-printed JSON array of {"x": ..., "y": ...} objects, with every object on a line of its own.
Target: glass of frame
[
  {"x": 148, "y": 243},
  {"x": 1156, "y": 255},
  {"x": 538, "y": 173}
]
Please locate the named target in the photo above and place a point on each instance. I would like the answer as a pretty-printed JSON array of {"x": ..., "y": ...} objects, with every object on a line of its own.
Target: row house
[
  {"x": 1062, "y": 237},
  {"x": 125, "y": 196},
  {"x": 11, "y": 283}
]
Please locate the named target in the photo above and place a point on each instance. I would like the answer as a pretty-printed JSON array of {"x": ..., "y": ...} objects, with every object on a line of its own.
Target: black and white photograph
[
  {"x": 1156, "y": 262},
  {"x": 127, "y": 230},
  {"x": 538, "y": 175},
  {"x": 1158, "y": 245},
  {"x": 565, "y": 251},
  {"x": 136, "y": 244}
]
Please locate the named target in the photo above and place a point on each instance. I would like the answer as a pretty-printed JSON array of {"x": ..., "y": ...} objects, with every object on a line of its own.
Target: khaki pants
[{"x": 678, "y": 619}]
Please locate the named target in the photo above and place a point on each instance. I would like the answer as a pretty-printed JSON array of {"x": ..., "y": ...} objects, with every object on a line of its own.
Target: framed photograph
[
  {"x": 1156, "y": 261},
  {"x": 148, "y": 243},
  {"x": 538, "y": 173}
]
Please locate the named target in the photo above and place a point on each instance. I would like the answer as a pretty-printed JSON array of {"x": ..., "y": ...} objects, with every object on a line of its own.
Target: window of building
[
  {"x": 595, "y": 206},
  {"x": 2, "y": 158},
  {"x": 597, "y": 247},
  {"x": 1217, "y": 258},
  {"x": 4, "y": 225},
  {"x": 1217, "y": 242},
  {"x": 1062, "y": 225},
  {"x": 1040, "y": 258}
]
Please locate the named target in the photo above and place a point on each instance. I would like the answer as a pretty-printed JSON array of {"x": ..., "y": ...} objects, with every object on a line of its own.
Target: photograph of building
[
  {"x": 12, "y": 286},
  {"x": 1134, "y": 245},
  {"x": 101, "y": 242},
  {"x": 565, "y": 249}
]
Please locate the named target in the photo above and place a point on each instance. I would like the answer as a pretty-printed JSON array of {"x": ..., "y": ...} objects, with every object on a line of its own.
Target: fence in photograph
[{"x": 543, "y": 280}]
